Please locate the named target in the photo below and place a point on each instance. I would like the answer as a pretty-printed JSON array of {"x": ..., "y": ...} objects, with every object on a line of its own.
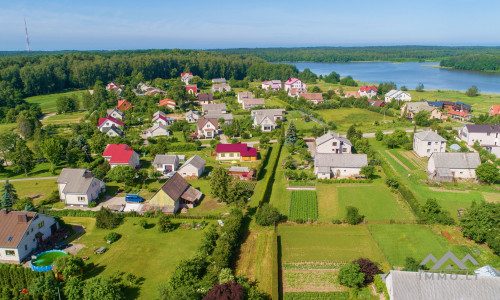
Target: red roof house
[
  {"x": 121, "y": 155},
  {"x": 168, "y": 103},
  {"x": 236, "y": 151},
  {"x": 461, "y": 115},
  {"x": 124, "y": 105},
  {"x": 294, "y": 83},
  {"x": 109, "y": 121},
  {"x": 183, "y": 74},
  {"x": 495, "y": 110},
  {"x": 192, "y": 89},
  {"x": 368, "y": 91}
]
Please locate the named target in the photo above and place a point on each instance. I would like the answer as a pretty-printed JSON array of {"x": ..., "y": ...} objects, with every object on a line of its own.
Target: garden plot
[{"x": 303, "y": 206}]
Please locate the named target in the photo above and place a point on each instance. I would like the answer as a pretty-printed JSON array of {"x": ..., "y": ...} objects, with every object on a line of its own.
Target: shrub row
[{"x": 132, "y": 214}]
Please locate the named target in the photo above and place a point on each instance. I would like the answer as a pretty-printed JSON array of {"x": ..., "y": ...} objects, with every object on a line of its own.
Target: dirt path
[
  {"x": 446, "y": 190},
  {"x": 397, "y": 160},
  {"x": 46, "y": 116}
]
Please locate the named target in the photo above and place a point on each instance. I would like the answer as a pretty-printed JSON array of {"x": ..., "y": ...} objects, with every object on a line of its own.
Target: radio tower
[{"x": 27, "y": 37}]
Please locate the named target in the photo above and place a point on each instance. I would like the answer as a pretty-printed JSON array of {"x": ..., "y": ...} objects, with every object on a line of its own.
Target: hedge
[
  {"x": 275, "y": 279},
  {"x": 270, "y": 179},
  {"x": 132, "y": 214}
]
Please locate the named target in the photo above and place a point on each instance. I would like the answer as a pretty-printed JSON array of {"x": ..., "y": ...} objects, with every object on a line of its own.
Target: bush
[
  {"x": 164, "y": 224},
  {"x": 352, "y": 216},
  {"x": 336, "y": 221},
  {"x": 369, "y": 268},
  {"x": 267, "y": 215},
  {"x": 112, "y": 237},
  {"x": 105, "y": 219},
  {"x": 392, "y": 182},
  {"x": 143, "y": 223},
  {"x": 350, "y": 275},
  {"x": 92, "y": 204}
]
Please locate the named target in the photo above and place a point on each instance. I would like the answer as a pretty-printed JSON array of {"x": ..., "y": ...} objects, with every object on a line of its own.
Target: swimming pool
[{"x": 44, "y": 261}]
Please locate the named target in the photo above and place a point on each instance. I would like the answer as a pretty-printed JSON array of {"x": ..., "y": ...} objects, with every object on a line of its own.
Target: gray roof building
[
  {"x": 195, "y": 161},
  {"x": 331, "y": 160},
  {"x": 451, "y": 160},
  {"x": 165, "y": 159},
  {"x": 329, "y": 136},
  {"x": 429, "y": 135},
  {"x": 78, "y": 181}
]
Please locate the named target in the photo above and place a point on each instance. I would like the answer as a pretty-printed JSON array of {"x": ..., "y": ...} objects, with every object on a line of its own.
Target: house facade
[
  {"x": 265, "y": 119},
  {"x": 294, "y": 83},
  {"x": 168, "y": 103},
  {"x": 272, "y": 85},
  {"x": 161, "y": 118},
  {"x": 165, "y": 163},
  {"x": 214, "y": 107},
  {"x": 410, "y": 109},
  {"x": 192, "y": 89},
  {"x": 427, "y": 142},
  {"x": 220, "y": 87},
  {"x": 185, "y": 77},
  {"x": 368, "y": 91},
  {"x": 205, "y": 98},
  {"x": 194, "y": 167},
  {"x": 486, "y": 135},
  {"x": 22, "y": 233},
  {"x": 329, "y": 165},
  {"x": 296, "y": 92},
  {"x": 115, "y": 113},
  {"x": 248, "y": 104},
  {"x": 176, "y": 194},
  {"x": 191, "y": 116},
  {"x": 109, "y": 122},
  {"x": 121, "y": 155},
  {"x": 239, "y": 151},
  {"x": 79, "y": 187},
  {"x": 124, "y": 105},
  {"x": 114, "y": 87},
  {"x": 244, "y": 96},
  {"x": 158, "y": 129},
  {"x": 333, "y": 143},
  {"x": 446, "y": 167},
  {"x": 315, "y": 98},
  {"x": 398, "y": 96},
  {"x": 207, "y": 128}
]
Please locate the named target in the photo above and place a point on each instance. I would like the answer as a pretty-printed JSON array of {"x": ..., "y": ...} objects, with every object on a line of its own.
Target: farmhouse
[
  {"x": 461, "y": 115},
  {"x": 79, "y": 187},
  {"x": 348, "y": 94},
  {"x": 158, "y": 129},
  {"x": 486, "y": 135},
  {"x": 168, "y": 103},
  {"x": 115, "y": 113},
  {"x": 329, "y": 165},
  {"x": 219, "y": 80},
  {"x": 243, "y": 96},
  {"x": 333, "y": 143},
  {"x": 207, "y": 128},
  {"x": 494, "y": 110},
  {"x": 266, "y": 118},
  {"x": 124, "y": 105},
  {"x": 315, "y": 98},
  {"x": 165, "y": 163},
  {"x": 192, "y": 89},
  {"x": 251, "y": 103},
  {"x": 205, "y": 98},
  {"x": 22, "y": 233},
  {"x": 194, "y": 167},
  {"x": 161, "y": 118},
  {"x": 368, "y": 91},
  {"x": 214, "y": 107},
  {"x": 115, "y": 87},
  {"x": 192, "y": 116},
  {"x": 447, "y": 167},
  {"x": 220, "y": 87},
  {"x": 272, "y": 85},
  {"x": 109, "y": 122},
  {"x": 121, "y": 155},
  {"x": 176, "y": 194},
  {"x": 397, "y": 95},
  {"x": 427, "y": 142},
  {"x": 185, "y": 77},
  {"x": 410, "y": 109},
  {"x": 237, "y": 151},
  {"x": 403, "y": 285},
  {"x": 294, "y": 83}
]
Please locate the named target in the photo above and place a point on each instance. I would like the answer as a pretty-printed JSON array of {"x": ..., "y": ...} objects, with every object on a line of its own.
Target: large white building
[
  {"x": 397, "y": 95},
  {"x": 331, "y": 142},
  {"x": 447, "y": 167},
  {"x": 294, "y": 83},
  {"x": 21, "y": 232},
  {"x": 329, "y": 165},
  {"x": 79, "y": 187},
  {"x": 485, "y": 135},
  {"x": 427, "y": 142}
]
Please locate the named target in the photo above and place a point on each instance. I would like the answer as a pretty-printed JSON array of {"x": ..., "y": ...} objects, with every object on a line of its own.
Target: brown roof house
[
  {"x": 21, "y": 232},
  {"x": 207, "y": 128},
  {"x": 175, "y": 195},
  {"x": 315, "y": 98}
]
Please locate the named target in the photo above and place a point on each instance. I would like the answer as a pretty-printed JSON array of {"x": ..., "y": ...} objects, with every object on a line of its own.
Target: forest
[{"x": 473, "y": 62}]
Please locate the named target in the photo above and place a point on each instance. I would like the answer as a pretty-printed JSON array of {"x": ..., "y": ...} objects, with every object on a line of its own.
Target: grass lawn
[
  {"x": 40, "y": 170},
  {"x": 48, "y": 102},
  {"x": 65, "y": 118},
  {"x": 146, "y": 253},
  {"x": 280, "y": 196},
  {"x": 417, "y": 241},
  {"x": 275, "y": 102},
  {"x": 9, "y": 127},
  {"x": 327, "y": 244},
  {"x": 35, "y": 189},
  {"x": 208, "y": 204}
]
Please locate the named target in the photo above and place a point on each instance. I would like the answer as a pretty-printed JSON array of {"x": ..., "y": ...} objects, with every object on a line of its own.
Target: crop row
[{"x": 303, "y": 206}]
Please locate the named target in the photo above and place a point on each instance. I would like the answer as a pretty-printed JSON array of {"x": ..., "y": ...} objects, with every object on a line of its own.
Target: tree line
[{"x": 473, "y": 62}]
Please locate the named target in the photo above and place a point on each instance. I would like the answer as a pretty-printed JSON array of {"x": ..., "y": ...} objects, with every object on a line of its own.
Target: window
[
  {"x": 26, "y": 247},
  {"x": 428, "y": 150},
  {"x": 10, "y": 252},
  {"x": 344, "y": 150},
  {"x": 231, "y": 154},
  {"x": 334, "y": 143},
  {"x": 81, "y": 199},
  {"x": 27, "y": 232},
  {"x": 40, "y": 225},
  {"x": 31, "y": 229},
  {"x": 429, "y": 143},
  {"x": 223, "y": 155}
]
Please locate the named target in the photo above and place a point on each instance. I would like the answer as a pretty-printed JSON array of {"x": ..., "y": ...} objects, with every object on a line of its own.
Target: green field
[
  {"x": 48, "y": 102},
  {"x": 146, "y": 253},
  {"x": 40, "y": 170},
  {"x": 303, "y": 206},
  {"x": 480, "y": 104},
  {"x": 35, "y": 189},
  {"x": 66, "y": 118},
  {"x": 327, "y": 244}
]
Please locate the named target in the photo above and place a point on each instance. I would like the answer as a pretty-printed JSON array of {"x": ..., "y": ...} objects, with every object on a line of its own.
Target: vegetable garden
[{"x": 303, "y": 206}]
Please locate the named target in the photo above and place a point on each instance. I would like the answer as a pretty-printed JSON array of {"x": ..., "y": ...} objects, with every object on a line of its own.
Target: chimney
[
  {"x": 5, "y": 211},
  {"x": 21, "y": 218}
]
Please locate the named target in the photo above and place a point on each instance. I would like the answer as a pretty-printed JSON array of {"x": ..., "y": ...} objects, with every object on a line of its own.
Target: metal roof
[
  {"x": 429, "y": 135},
  {"x": 452, "y": 160},
  {"x": 340, "y": 160}
]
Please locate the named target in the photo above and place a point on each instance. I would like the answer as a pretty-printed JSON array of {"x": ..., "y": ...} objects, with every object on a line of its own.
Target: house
[
  {"x": 176, "y": 194},
  {"x": 405, "y": 285},
  {"x": 251, "y": 103},
  {"x": 115, "y": 113},
  {"x": 368, "y": 91},
  {"x": 194, "y": 167},
  {"x": 494, "y": 110},
  {"x": 165, "y": 163},
  {"x": 333, "y": 143},
  {"x": 168, "y": 103},
  {"x": 109, "y": 122},
  {"x": 124, "y": 105},
  {"x": 266, "y": 118},
  {"x": 243, "y": 96},
  {"x": 377, "y": 103},
  {"x": 185, "y": 77},
  {"x": 79, "y": 187},
  {"x": 121, "y": 155},
  {"x": 220, "y": 87},
  {"x": 315, "y": 98},
  {"x": 242, "y": 173},
  {"x": 207, "y": 128},
  {"x": 296, "y": 92},
  {"x": 112, "y": 131},
  {"x": 239, "y": 151},
  {"x": 348, "y": 94},
  {"x": 447, "y": 167},
  {"x": 294, "y": 83},
  {"x": 228, "y": 118},
  {"x": 449, "y": 105},
  {"x": 272, "y": 85},
  {"x": 219, "y": 80},
  {"x": 427, "y": 142},
  {"x": 148, "y": 90},
  {"x": 461, "y": 115},
  {"x": 205, "y": 98},
  {"x": 191, "y": 116},
  {"x": 192, "y": 89},
  {"x": 161, "y": 117},
  {"x": 214, "y": 107},
  {"x": 22, "y": 233},
  {"x": 486, "y": 135},
  {"x": 158, "y": 129},
  {"x": 114, "y": 87},
  {"x": 329, "y": 165},
  {"x": 410, "y": 109},
  {"x": 397, "y": 95}
]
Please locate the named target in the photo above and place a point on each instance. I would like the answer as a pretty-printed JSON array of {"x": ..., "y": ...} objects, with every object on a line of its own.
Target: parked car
[
  {"x": 100, "y": 250},
  {"x": 134, "y": 198},
  {"x": 170, "y": 174}
]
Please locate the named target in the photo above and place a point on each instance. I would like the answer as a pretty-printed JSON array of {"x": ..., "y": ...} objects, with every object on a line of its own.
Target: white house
[
  {"x": 368, "y": 91},
  {"x": 486, "y": 135},
  {"x": 158, "y": 129},
  {"x": 115, "y": 113},
  {"x": 166, "y": 163},
  {"x": 79, "y": 187},
  {"x": 220, "y": 87},
  {"x": 185, "y": 77},
  {"x": 272, "y": 85},
  {"x": 207, "y": 128},
  {"x": 112, "y": 131},
  {"x": 243, "y": 96},
  {"x": 331, "y": 142},
  {"x": 329, "y": 165},
  {"x": 427, "y": 142},
  {"x": 109, "y": 122},
  {"x": 22, "y": 232},
  {"x": 266, "y": 118},
  {"x": 254, "y": 102},
  {"x": 121, "y": 155},
  {"x": 294, "y": 83},
  {"x": 193, "y": 167},
  {"x": 161, "y": 117},
  {"x": 448, "y": 166},
  {"x": 192, "y": 116},
  {"x": 397, "y": 95}
]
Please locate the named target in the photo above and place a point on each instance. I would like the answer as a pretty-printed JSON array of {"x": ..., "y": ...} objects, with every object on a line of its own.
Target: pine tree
[
  {"x": 10, "y": 190},
  {"x": 351, "y": 132},
  {"x": 6, "y": 201},
  {"x": 291, "y": 134}
]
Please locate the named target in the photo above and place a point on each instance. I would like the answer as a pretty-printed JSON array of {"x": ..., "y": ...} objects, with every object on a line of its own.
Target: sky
[{"x": 193, "y": 24}]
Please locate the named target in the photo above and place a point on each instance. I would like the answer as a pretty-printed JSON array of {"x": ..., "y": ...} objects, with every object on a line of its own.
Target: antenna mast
[{"x": 27, "y": 37}]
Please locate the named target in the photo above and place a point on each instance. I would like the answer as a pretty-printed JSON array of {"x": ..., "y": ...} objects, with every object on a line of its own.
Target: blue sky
[{"x": 107, "y": 25}]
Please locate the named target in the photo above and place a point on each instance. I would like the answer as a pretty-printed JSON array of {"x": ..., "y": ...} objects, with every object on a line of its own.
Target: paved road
[{"x": 31, "y": 178}]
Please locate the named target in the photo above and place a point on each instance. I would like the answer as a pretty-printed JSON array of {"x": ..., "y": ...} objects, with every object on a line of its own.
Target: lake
[{"x": 409, "y": 74}]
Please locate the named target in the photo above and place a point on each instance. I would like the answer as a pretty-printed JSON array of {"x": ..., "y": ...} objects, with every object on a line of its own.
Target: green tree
[
  {"x": 267, "y": 215},
  {"x": 44, "y": 287},
  {"x": 368, "y": 171},
  {"x": 105, "y": 219},
  {"x": 480, "y": 220},
  {"x": 422, "y": 118},
  {"x": 6, "y": 201},
  {"x": 220, "y": 184},
  {"x": 412, "y": 265},
  {"x": 73, "y": 288},
  {"x": 352, "y": 215},
  {"x": 487, "y": 172},
  {"x": 350, "y": 275},
  {"x": 379, "y": 135},
  {"x": 333, "y": 77},
  {"x": 51, "y": 150},
  {"x": 122, "y": 174},
  {"x": 432, "y": 213},
  {"x": 164, "y": 224},
  {"x": 101, "y": 288},
  {"x": 9, "y": 195},
  {"x": 420, "y": 87},
  {"x": 392, "y": 182},
  {"x": 22, "y": 157},
  {"x": 351, "y": 132},
  {"x": 473, "y": 91},
  {"x": 25, "y": 204},
  {"x": 291, "y": 134},
  {"x": 69, "y": 265}
]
